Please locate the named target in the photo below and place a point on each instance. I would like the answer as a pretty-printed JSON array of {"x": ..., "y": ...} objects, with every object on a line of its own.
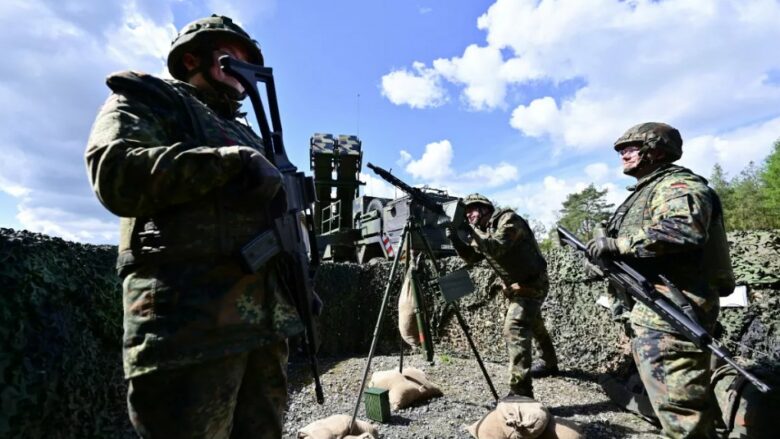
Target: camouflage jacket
[
  {"x": 672, "y": 224},
  {"x": 510, "y": 247},
  {"x": 164, "y": 157}
]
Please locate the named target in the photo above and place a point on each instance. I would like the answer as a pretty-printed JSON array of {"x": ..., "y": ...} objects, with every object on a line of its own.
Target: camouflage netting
[
  {"x": 60, "y": 332},
  {"x": 60, "y": 325}
]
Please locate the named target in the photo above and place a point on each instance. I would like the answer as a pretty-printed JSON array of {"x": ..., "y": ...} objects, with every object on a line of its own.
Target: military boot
[{"x": 541, "y": 368}]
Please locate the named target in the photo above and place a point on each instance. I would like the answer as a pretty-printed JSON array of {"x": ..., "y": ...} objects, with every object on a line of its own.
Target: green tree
[
  {"x": 719, "y": 181},
  {"x": 745, "y": 208},
  {"x": 583, "y": 211},
  {"x": 770, "y": 178}
]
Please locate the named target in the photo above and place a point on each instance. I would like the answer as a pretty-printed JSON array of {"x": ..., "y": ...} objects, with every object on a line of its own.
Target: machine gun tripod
[{"x": 412, "y": 232}]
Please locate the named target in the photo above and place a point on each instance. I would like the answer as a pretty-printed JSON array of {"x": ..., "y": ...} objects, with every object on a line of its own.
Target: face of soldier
[
  {"x": 476, "y": 215},
  {"x": 222, "y": 48},
  {"x": 637, "y": 166},
  {"x": 234, "y": 51},
  {"x": 630, "y": 158}
]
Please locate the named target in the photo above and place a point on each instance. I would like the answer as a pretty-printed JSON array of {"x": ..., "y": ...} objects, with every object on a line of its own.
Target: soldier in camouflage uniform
[
  {"x": 205, "y": 343},
  {"x": 671, "y": 224},
  {"x": 506, "y": 241}
]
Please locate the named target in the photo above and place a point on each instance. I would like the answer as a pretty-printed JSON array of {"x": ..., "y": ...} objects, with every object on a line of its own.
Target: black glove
[
  {"x": 602, "y": 247},
  {"x": 261, "y": 178}
]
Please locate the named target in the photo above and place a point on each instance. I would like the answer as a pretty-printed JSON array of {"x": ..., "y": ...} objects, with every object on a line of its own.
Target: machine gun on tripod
[{"x": 450, "y": 285}]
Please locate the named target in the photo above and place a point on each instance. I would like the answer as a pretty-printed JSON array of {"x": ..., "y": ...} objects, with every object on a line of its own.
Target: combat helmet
[
  {"x": 477, "y": 198},
  {"x": 653, "y": 135},
  {"x": 199, "y": 32}
]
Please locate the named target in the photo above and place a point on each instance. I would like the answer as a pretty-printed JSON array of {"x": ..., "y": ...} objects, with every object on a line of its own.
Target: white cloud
[
  {"x": 700, "y": 65},
  {"x": 492, "y": 176},
  {"x": 62, "y": 52},
  {"x": 542, "y": 200},
  {"x": 732, "y": 150},
  {"x": 536, "y": 119},
  {"x": 377, "y": 187},
  {"x": 68, "y": 225},
  {"x": 434, "y": 168},
  {"x": 479, "y": 69},
  {"x": 434, "y": 163},
  {"x": 243, "y": 11},
  {"x": 597, "y": 171},
  {"x": 420, "y": 88}
]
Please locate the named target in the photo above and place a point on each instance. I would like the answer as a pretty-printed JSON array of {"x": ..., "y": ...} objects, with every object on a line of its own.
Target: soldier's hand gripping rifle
[
  {"x": 293, "y": 233},
  {"x": 683, "y": 320}
]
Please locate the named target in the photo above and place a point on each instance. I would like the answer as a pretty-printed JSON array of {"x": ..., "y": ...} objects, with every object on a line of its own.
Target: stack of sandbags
[
  {"x": 337, "y": 427},
  {"x": 405, "y": 387},
  {"x": 519, "y": 417}
]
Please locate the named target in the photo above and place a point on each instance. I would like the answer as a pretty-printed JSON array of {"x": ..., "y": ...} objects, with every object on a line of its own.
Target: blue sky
[{"x": 517, "y": 99}]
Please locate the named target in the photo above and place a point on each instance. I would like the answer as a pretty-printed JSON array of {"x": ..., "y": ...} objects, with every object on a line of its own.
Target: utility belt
[
  {"x": 247, "y": 244},
  {"x": 515, "y": 289},
  {"x": 531, "y": 289}
]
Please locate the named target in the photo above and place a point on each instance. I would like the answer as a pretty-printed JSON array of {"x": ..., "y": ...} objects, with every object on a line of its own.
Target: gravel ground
[{"x": 573, "y": 395}]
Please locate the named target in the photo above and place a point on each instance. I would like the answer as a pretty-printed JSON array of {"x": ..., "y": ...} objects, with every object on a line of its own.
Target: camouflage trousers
[
  {"x": 238, "y": 396},
  {"x": 676, "y": 375},
  {"x": 522, "y": 324}
]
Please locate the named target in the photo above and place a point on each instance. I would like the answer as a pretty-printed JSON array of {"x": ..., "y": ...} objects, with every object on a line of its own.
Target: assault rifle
[
  {"x": 292, "y": 235},
  {"x": 677, "y": 312}
]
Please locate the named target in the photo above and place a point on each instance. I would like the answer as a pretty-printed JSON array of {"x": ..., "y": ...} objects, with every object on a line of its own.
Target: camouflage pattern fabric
[
  {"x": 512, "y": 249},
  {"x": 668, "y": 226},
  {"x": 237, "y": 396},
  {"x": 676, "y": 375},
  {"x": 165, "y": 157},
  {"x": 181, "y": 171},
  {"x": 523, "y": 323}
]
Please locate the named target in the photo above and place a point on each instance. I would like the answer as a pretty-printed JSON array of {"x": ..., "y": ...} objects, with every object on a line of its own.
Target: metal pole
[
  {"x": 378, "y": 325},
  {"x": 461, "y": 321},
  {"x": 465, "y": 329}
]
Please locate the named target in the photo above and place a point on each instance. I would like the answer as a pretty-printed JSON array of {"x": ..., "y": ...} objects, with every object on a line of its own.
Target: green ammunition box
[{"x": 377, "y": 404}]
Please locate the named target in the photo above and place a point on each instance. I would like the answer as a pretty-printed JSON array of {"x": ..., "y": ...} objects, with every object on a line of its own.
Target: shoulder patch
[{"x": 679, "y": 185}]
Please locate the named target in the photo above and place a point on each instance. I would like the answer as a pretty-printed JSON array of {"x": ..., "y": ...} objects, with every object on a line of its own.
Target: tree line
[{"x": 750, "y": 201}]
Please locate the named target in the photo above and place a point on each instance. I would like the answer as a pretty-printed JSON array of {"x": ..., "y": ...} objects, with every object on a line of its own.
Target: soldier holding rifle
[
  {"x": 670, "y": 225},
  {"x": 505, "y": 240},
  {"x": 205, "y": 341}
]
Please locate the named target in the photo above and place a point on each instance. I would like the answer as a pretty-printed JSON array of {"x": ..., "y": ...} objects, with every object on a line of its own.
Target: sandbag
[
  {"x": 407, "y": 320},
  {"x": 516, "y": 417},
  {"x": 559, "y": 428},
  {"x": 335, "y": 427},
  {"x": 405, "y": 388}
]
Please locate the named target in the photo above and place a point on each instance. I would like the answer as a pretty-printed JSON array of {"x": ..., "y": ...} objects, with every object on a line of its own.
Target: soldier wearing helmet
[
  {"x": 204, "y": 347},
  {"x": 506, "y": 241},
  {"x": 671, "y": 225}
]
